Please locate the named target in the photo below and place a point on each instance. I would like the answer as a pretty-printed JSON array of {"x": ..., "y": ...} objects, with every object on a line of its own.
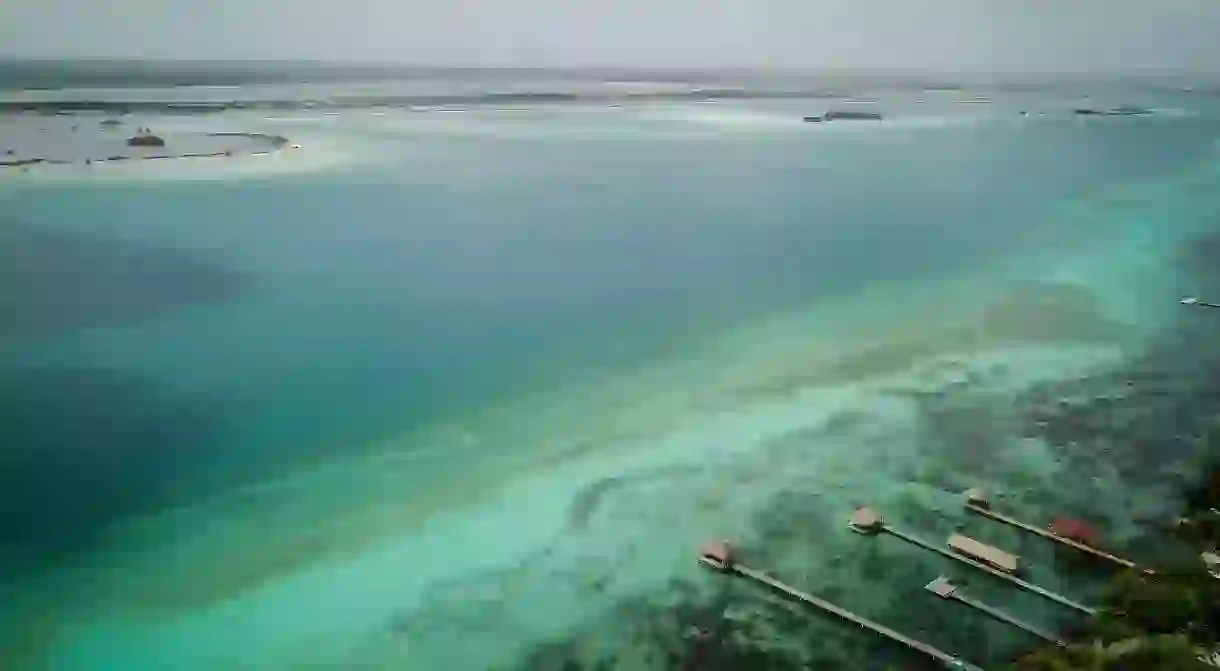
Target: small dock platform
[
  {"x": 945, "y": 589},
  {"x": 718, "y": 555},
  {"x": 977, "y": 502},
  {"x": 868, "y": 522}
]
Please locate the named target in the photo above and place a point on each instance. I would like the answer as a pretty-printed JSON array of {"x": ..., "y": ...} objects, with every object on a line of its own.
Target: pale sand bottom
[
  {"x": 390, "y": 530},
  {"x": 320, "y": 151},
  {"x": 460, "y": 544}
]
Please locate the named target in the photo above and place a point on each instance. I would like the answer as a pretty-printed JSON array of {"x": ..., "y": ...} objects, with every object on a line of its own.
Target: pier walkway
[
  {"x": 876, "y": 526},
  {"x": 717, "y": 555},
  {"x": 977, "y": 503},
  {"x": 947, "y": 590}
]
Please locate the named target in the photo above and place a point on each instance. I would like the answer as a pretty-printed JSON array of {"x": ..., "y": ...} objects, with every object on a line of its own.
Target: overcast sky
[{"x": 978, "y": 35}]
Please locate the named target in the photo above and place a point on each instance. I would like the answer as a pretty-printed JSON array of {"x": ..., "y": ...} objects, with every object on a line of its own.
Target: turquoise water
[{"x": 485, "y": 382}]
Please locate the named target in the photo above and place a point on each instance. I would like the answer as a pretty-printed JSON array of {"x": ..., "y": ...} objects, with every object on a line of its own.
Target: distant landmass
[{"x": 29, "y": 73}]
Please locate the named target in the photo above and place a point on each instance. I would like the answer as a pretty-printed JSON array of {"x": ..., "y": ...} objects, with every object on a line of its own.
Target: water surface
[{"x": 488, "y": 382}]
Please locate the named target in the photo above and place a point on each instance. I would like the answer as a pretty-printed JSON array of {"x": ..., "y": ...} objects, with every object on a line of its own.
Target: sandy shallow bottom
[
  {"x": 321, "y": 151},
  {"x": 572, "y": 517}
]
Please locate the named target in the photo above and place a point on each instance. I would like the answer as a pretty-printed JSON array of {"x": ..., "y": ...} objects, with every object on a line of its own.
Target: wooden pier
[
  {"x": 869, "y": 523},
  {"x": 718, "y": 555},
  {"x": 945, "y": 589},
  {"x": 976, "y": 502},
  {"x": 1195, "y": 302}
]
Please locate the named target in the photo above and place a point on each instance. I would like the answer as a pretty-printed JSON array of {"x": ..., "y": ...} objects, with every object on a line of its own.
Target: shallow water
[{"x": 474, "y": 393}]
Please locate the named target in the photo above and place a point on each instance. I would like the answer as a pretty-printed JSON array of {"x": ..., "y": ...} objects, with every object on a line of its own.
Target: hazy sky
[{"x": 1022, "y": 35}]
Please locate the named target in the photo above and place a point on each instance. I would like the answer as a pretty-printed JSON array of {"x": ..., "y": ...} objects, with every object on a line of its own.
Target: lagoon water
[{"x": 466, "y": 389}]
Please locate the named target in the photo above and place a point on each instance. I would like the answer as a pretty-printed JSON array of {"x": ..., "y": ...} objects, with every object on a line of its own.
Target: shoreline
[
  {"x": 49, "y": 151},
  {"x": 275, "y": 143}
]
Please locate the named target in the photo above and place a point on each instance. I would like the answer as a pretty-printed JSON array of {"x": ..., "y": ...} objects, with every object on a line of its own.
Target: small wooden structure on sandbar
[
  {"x": 968, "y": 551},
  {"x": 718, "y": 555}
]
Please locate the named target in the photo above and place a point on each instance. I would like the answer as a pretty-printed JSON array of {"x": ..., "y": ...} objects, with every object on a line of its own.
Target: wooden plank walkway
[
  {"x": 950, "y": 661},
  {"x": 1050, "y": 535},
  {"x": 1195, "y": 302},
  {"x": 1027, "y": 586},
  {"x": 946, "y": 590}
]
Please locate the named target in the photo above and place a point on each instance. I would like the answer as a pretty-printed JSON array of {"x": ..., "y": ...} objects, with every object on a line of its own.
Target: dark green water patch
[
  {"x": 82, "y": 446},
  {"x": 53, "y": 282}
]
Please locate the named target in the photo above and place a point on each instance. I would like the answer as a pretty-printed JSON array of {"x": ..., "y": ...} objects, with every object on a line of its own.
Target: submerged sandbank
[
  {"x": 77, "y": 149},
  {"x": 66, "y": 140},
  {"x": 460, "y": 544},
  {"x": 579, "y": 488}
]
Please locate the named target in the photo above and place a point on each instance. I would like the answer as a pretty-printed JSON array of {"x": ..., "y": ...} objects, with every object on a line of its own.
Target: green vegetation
[
  {"x": 1168, "y": 621},
  {"x": 1160, "y": 653}
]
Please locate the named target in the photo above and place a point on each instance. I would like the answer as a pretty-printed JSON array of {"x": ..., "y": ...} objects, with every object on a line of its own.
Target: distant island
[
  {"x": 848, "y": 115},
  {"x": 141, "y": 143},
  {"x": 1125, "y": 110},
  {"x": 276, "y": 141},
  {"x": 145, "y": 141}
]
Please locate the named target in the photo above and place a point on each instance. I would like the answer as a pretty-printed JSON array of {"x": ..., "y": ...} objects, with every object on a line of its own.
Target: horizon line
[{"x": 743, "y": 68}]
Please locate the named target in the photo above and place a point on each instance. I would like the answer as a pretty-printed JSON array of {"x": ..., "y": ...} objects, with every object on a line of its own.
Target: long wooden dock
[
  {"x": 869, "y": 523},
  {"x": 722, "y": 561},
  {"x": 1195, "y": 302},
  {"x": 979, "y": 506},
  {"x": 945, "y": 589},
  {"x": 1027, "y": 586}
]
